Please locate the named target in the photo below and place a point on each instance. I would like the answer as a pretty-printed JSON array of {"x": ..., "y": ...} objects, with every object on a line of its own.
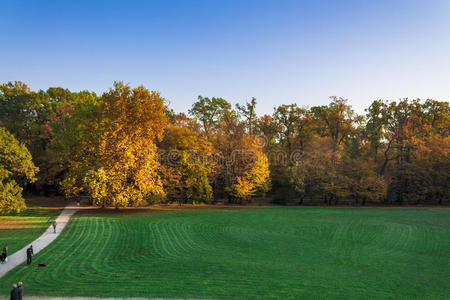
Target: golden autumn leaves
[
  {"x": 107, "y": 147},
  {"x": 127, "y": 148},
  {"x": 121, "y": 151},
  {"x": 15, "y": 165}
]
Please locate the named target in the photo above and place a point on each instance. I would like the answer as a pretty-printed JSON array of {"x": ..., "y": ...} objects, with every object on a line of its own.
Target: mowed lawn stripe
[{"x": 269, "y": 253}]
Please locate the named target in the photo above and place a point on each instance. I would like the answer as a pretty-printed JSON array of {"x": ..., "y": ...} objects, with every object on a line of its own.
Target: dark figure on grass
[
  {"x": 14, "y": 293},
  {"x": 54, "y": 226},
  {"x": 4, "y": 253},
  {"x": 20, "y": 290},
  {"x": 29, "y": 254}
]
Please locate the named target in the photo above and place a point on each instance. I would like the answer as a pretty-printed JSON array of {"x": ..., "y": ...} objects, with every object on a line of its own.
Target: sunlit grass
[
  {"x": 267, "y": 253},
  {"x": 17, "y": 230}
]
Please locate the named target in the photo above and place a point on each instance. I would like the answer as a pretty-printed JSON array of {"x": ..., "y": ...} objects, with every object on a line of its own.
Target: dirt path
[{"x": 41, "y": 242}]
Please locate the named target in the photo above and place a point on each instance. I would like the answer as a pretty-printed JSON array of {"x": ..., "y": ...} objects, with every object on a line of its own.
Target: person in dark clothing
[
  {"x": 29, "y": 254},
  {"x": 20, "y": 290},
  {"x": 4, "y": 253},
  {"x": 14, "y": 293},
  {"x": 54, "y": 226}
]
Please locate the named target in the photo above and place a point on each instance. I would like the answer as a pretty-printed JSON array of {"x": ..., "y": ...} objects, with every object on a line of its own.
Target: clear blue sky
[{"x": 276, "y": 51}]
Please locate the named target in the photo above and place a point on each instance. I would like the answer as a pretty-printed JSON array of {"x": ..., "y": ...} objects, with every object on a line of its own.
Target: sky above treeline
[{"x": 278, "y": 51}]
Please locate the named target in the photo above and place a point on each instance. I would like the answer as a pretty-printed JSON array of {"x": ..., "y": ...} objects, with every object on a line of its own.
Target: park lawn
[
  {"x": 264, "y": 253},
  {"x": 17, "y": 230}
]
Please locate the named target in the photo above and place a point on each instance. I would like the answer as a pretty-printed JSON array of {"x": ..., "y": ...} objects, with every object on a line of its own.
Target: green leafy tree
[
  {"x": 337, "y": 121},
  {"x": 376, "y": 120},
  {"x": 209, "y": 111},
  {"x": 248, "y": 111},
  {"x": 186, "y": 165},
  {"x": 29, "y": 115},
  {"x": 288, "y": 118}
]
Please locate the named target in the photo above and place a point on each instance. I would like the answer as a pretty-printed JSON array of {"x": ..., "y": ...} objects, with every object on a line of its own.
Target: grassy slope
[
  {"x": 17, "y": 230},
  {"x": 310, "y": 253}
]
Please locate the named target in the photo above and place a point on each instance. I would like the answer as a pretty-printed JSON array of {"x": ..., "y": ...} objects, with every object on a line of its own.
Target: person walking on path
[
  {"x": 14, "y": 293},
  {"x": 54, "y": 226},
  {"x": 29, "y": 254},
  {"x": 45, "y": 239},
  {"x": 20, "y": 290},
  {"x": 4, "y": 253}
]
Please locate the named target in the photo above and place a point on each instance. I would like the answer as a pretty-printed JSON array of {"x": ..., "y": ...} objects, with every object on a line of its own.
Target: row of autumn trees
[{"x": 127, "y": 148}]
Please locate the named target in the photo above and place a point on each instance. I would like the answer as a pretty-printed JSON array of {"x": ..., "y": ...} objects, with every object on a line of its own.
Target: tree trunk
[{"x": 386, "y": 158}]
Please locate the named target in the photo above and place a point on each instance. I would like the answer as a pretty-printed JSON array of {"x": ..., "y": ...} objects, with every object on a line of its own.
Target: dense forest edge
[{"x": 127, "y": 147}]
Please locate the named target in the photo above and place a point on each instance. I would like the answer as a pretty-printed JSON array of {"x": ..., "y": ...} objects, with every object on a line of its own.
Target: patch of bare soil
[{"x": 54, "y": 202}]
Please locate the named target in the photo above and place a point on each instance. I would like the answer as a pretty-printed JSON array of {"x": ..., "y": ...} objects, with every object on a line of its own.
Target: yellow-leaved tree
[
  {"x": 107, "y": 147},
  {"x": 249, "y": 170},
  {"x": 15, "y": 165},
  {"x": 186, "y": 165}
]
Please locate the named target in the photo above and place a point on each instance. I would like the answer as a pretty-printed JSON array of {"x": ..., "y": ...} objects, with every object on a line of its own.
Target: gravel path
[{"x": 41, "y": 242}]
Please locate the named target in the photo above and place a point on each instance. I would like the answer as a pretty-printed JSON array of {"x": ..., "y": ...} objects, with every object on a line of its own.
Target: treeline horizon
[{"x": 127, "y": 147}]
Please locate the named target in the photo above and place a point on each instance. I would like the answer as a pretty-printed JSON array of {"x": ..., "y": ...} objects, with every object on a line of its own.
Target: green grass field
[
  {"x": 17, "y": 230},
  {"x": 266, "y": 253}
]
